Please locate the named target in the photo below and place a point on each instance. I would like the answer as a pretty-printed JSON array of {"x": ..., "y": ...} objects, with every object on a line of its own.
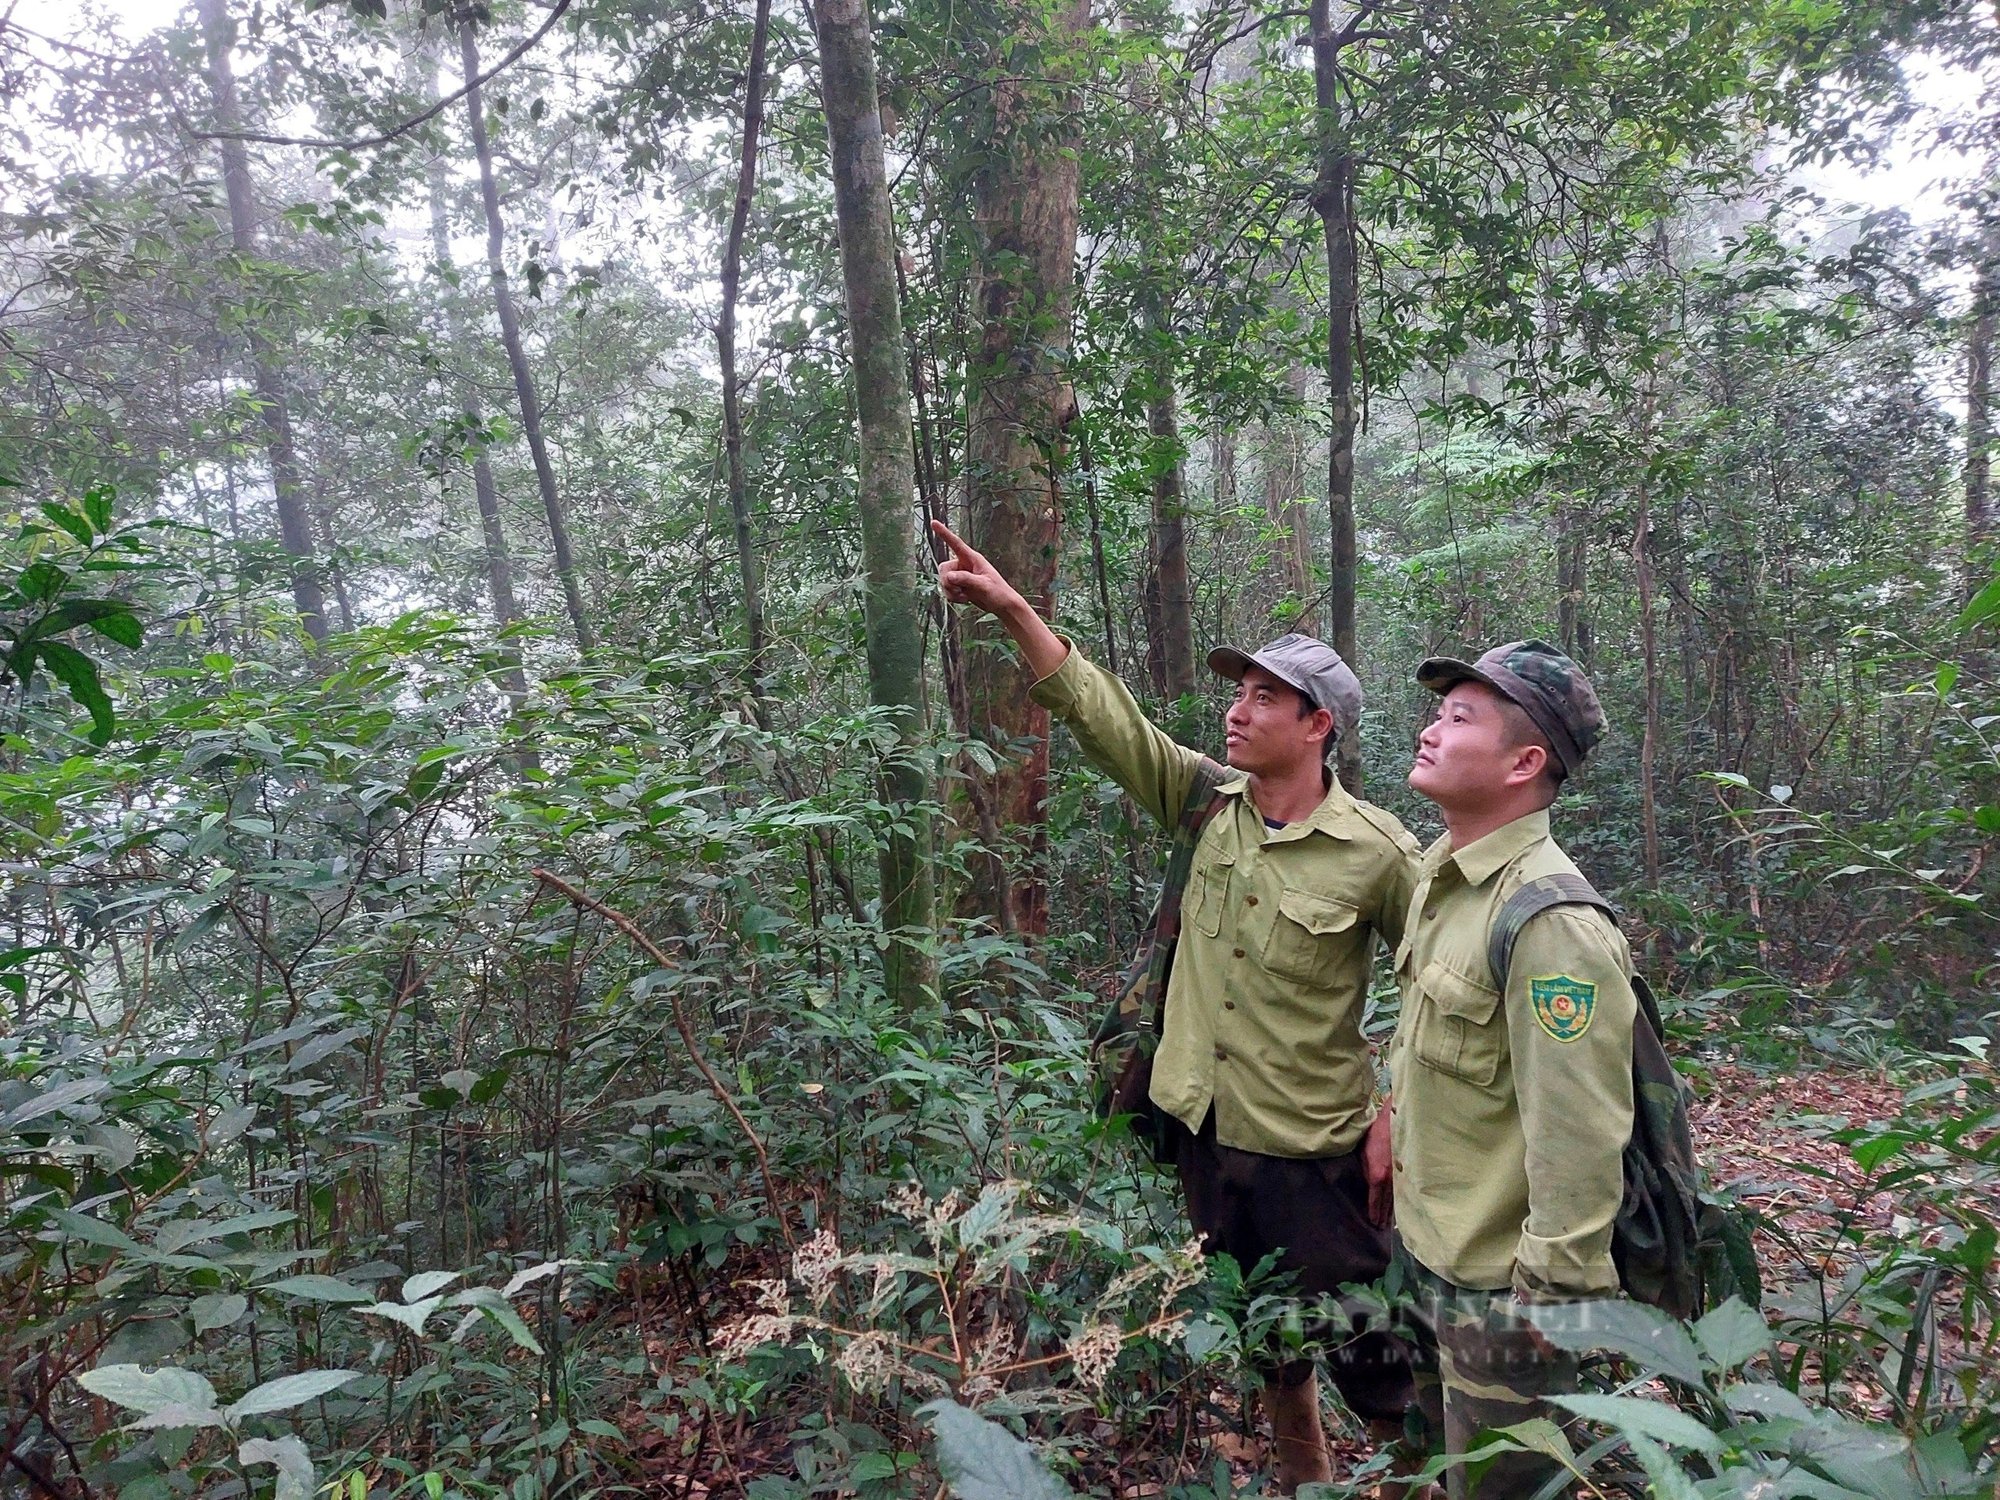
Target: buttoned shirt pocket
[
  {"x": 1208, "y": 893},
  {"x": 1455, "y": 1029},
  {"x": 1308, "y": 936}
]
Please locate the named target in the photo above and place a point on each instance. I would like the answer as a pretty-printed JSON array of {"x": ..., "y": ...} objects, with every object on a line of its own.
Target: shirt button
[
  {"x": 1239, "y": 952},
  {"x": 1250, "y": 901},
  {"x": 1229, "y": 1005},
  {"x": 1221, "y": 1053},
  {"x": 1430, "y": 913}
]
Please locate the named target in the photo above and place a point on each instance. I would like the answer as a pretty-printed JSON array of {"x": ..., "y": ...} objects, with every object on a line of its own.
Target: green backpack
[
  {"x": 1122, "y": 1051},
  {"x": 1675, "y": 1245}
]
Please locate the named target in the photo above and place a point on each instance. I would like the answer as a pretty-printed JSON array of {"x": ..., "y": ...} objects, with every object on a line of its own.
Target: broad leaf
[
  {"x": 1732, "y": 1335},
  {"x": 982, "y": 1460},
  {"x": 146, "y": 1390},
  {"x": 1630, "y": 1328},
  {"x": 318, "y": 1289},
  {"x": 296, "y": 1479},
  {"x": 1632, "y": 1415},
  {"x": 288, "y": 1391},
  {"x": 218, "y": 1310},
  {"x": 427, "y": 1284}
]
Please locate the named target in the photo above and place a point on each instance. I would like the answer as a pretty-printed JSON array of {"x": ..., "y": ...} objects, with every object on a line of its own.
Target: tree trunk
[
  {"x": 1018, "y": 409},
  {"x": 294, "y": 521},
  {"x": 725, "y": 344},
  {"x": 1572, "y": 582},
  {"x": 1175, "y": 646},
  {"x": 1333, "y": 201},
  {"x": 486, "y": 494},
  {"x": 1979, "y": 416},
  {"x": 887, "y": 471},
  {"x": 517, "y": 355}
]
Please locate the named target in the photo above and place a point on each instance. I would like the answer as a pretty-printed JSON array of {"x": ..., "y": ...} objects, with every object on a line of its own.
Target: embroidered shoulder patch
[{"x": 1563, "y": 1006}]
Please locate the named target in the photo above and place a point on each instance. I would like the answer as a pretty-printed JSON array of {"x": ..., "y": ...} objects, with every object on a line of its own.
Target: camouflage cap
[
  {"x": 1311, "y": 666},
  {"x": 1550, "y": 688}
]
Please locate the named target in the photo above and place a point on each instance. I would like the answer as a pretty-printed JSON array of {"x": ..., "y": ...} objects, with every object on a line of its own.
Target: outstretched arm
[{"x": 968, "y": 578}]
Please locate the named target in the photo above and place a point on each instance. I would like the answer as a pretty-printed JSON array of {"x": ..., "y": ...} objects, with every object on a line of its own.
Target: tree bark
[
  {"x": 294, "y": 517},
  {"x": 1018, "y": 410},
  {"x": 517, "y": 355},
  {"x": 1979, "y": 416},
  {"x": 1333, "y": 201},
  {"x": 1173, "y": 650},
  {"x": 486, "y": 494},
  {"x": 887, "y": 472},
  {"x": 725, "y": 344}
]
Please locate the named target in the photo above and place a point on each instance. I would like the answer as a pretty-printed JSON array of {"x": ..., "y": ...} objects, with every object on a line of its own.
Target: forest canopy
[{"x": 541, "y": 957}]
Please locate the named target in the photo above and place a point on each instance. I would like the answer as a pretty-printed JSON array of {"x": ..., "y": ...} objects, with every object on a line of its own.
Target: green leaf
[
  {"x": 426, "y": 1284},
  {"x": 412, "y": 1315},
  {"x": 78, "y": 673},
  {"x": 318, "y": 1289},
  {"x": 1732, "y": 1335},
  {"x": 1984, "y": 605},
  {"x": 218, "y": 1310},
  {"x": 97, "y": 505},
  {"x": 149, "y": 1391},
  {"x": 76, "y": 525},
  {"x": 1630, "y": 1328},
  {"x": 288, "y": 1391},
  {"x": 1632, "y": 1416},
  {"x": 1669, "y": 1480},
  {"x": 296, "y": 1479},
  {"x": 510, "y": 1320},
  {"x": 982, "y": 1460},
  {"x": 63, "y": 1094}
]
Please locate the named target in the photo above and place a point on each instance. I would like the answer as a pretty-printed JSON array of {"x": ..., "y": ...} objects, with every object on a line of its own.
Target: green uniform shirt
[
  {"x": 1263, "y": 1017},
  {"x": 1511, "y": 1115}
]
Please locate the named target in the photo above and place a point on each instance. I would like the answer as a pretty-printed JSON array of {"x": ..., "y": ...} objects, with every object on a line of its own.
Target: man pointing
[{"x": 1262, "y": 1068}]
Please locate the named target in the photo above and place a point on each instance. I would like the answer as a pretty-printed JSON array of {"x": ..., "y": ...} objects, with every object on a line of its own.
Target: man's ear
[
  {"x": 1321, "y": 716},
  {"x": 1529, "y": 763}
]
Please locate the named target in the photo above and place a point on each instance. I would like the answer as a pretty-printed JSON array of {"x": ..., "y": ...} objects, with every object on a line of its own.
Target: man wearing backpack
[
  {"x": 1513, "y": 1100},
  {"x": 1262, "y": 1073}
]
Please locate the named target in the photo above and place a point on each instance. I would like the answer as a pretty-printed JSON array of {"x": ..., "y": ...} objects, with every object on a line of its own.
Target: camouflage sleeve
[
  {"x": 1119, "y": 739},
  {"x": 1570, "y": 1010}
]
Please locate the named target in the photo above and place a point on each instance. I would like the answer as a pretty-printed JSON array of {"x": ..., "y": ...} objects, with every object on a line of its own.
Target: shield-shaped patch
[{"x": 1563, "y": 1005}]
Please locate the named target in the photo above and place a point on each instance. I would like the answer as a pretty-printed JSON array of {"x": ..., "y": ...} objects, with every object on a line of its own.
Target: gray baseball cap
[{"x": 1311, "y": 666}]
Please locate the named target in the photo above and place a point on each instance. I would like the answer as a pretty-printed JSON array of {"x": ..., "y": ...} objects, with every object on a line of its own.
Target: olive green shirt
[
  {"x": 1512, "y": 1112},
  {"x": 1263, "y": 1010}
]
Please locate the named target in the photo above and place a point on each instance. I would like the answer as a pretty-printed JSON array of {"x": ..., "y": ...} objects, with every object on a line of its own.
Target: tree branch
[{"x": 555, "y": 15}]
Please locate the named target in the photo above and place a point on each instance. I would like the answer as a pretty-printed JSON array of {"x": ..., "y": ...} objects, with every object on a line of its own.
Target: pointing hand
[{"x": 968, "y": 578}]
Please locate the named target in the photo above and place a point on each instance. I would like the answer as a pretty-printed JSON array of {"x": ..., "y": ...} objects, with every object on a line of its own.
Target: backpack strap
[
  {"x": 1203, "y": 801},
  {"x": 1529, "y": 902}
]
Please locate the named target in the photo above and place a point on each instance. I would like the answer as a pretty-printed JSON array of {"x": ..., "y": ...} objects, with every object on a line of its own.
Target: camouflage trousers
[{"x": 1477, "y": 1366}]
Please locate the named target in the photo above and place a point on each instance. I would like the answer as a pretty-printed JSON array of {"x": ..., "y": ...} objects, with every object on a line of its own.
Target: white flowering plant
[{"x": 964, "y": 1310}]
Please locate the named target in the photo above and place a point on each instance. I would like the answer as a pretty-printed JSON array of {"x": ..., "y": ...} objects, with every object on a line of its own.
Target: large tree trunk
[
  {"x": 1979, "y": 415},
  {"x": 486, "y": 494},
  {"x": 1172, "y": 653},
  {"x": 517, "y": 355},
  {"x": 1019, "y": 405},
  {"x": 725, "y": 344},
  {"x": 1333, "y": 201},
  {"x": 294, "y": 518},
  {"x": 887, "y": 473}
]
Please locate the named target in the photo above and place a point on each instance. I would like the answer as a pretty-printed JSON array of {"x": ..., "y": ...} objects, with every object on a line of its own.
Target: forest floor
[{"x": 1763, "y": 1135}]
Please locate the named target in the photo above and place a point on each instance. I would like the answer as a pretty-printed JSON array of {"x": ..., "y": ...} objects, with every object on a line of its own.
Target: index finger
[{"x": 951, "y": 539}]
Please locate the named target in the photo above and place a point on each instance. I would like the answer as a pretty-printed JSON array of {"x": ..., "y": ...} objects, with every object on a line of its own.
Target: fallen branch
[{"x": 652, "y": 950}]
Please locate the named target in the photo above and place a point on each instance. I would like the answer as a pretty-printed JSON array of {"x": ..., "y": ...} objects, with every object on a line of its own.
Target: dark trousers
[
  {"x": 1313, "y": 1215},
  {"x": 1479, "y": 1366}
]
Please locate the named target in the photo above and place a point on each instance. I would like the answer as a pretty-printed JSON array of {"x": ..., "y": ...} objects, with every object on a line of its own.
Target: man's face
[
  {"x": 1264, "y": 732},
  {"x": 1465, "y": 755}
]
